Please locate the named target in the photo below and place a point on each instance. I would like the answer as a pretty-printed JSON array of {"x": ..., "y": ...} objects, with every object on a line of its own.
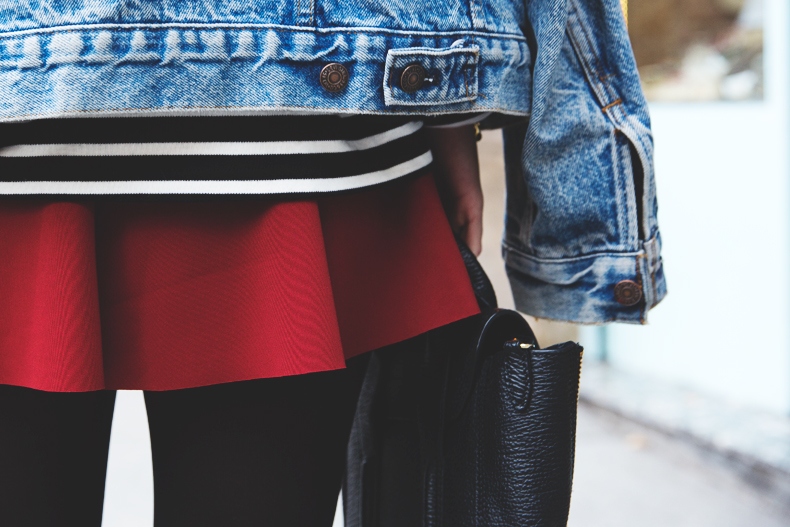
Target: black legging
[{"x": 263, "y": 452}]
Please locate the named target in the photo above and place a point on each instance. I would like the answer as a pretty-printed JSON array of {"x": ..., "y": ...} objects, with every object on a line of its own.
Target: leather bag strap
[{"x": 484, "y": 291}]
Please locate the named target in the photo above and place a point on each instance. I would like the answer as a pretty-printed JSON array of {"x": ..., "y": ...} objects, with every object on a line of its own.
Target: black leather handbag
[{"x": 470, "y": 424}]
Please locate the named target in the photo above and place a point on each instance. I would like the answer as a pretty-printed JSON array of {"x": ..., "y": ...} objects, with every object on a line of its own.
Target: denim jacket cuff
[{"x": 582, "y": 289}]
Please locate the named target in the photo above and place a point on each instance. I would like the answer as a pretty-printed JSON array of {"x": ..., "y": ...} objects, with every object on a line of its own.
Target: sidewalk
[{"x": 627, "y": 475}]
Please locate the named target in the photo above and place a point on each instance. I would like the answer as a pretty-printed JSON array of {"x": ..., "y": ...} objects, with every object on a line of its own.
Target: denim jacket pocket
[{"x": 450, "y": 75}]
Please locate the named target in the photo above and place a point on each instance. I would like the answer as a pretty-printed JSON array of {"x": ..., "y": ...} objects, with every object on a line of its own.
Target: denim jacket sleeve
[{"x": 581, "y": 238}]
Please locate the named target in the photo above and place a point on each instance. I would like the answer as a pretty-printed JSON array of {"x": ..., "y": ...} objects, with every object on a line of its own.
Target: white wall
[{"x": 724, "y": 211}]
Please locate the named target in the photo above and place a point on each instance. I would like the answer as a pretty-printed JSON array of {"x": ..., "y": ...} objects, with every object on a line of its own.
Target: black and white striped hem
[{"x": 208, "y": 156}]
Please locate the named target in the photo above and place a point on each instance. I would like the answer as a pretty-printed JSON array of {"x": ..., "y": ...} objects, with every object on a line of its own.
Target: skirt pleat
[{"x": 169, "y": 295}]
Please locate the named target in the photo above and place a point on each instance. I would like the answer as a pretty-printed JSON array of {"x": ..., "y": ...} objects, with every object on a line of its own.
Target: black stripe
[
  {"x": 196, "y": 129},
  {"x": 240, "y": 168},
  {"x": 451, "y": 119}
]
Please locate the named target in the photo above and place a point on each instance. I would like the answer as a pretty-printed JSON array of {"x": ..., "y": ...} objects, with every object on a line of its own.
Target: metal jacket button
[
  {"x": 628, "y": 293},
  {"x": 334, "y": 77},
  {"x": 412, "y": 78}
]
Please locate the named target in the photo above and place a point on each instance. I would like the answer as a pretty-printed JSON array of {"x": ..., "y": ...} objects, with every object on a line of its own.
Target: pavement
[{"x": 626, "y": 475}]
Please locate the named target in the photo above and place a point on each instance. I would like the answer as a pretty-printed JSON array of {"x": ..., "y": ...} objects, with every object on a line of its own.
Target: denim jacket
[{"x": 581, "y": 240}]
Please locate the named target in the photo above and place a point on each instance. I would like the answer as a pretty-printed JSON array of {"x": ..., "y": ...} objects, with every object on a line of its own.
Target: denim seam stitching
[
  {"x": 470, "y": 99},
  {"x": 653, "y": 266},
  {"x": 466, "y": 83},
  {"x": 625, "y": 177},
  {"x": 568, "y": 259},
  {"x": 614, "y": 110},
  {"x": 609, "y": 106},
  {"x": 644, "y": 300},
  {"x": 225, "y": 27},
  {"x": 402, "y": 52},
  {"x": 592, "y": 71},
  {"x": 273, "y": 107},
  {"x": 620, "y": 119},
  {"x": 649, "y": 261},
  {"x": 392, "y": 89},
  {"x": 472, "y": 15}
]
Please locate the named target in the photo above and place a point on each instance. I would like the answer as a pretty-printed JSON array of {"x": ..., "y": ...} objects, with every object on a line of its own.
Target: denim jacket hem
[{"x": 142, "y": 68}]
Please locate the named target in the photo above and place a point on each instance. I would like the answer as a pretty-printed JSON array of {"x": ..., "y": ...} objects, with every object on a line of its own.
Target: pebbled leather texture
[{"x": 462, "y": 426}]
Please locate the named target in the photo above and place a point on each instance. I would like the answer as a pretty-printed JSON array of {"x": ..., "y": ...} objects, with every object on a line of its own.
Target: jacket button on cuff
[
  {"x": 334, "y": 77},
  {"x": 628, "y": 293},
  {"x": 412, "y": 78}
]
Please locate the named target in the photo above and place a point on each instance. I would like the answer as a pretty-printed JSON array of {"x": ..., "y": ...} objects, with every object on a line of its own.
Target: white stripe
[
  {"x": 236, "y": 111},
  {"x": 209, "y": 148},
  {"x": 276, "y": 186}
]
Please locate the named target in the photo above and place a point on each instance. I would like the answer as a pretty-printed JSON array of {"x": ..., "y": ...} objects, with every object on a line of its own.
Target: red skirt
[{"x": 162, "y": 296}]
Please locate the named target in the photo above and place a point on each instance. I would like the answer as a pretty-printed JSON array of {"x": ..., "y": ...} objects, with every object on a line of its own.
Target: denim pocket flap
[{"x": 425, "y": 76}]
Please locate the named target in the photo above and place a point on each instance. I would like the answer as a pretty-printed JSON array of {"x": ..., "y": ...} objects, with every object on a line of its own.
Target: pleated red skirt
[{"x": 160, "y": 296}]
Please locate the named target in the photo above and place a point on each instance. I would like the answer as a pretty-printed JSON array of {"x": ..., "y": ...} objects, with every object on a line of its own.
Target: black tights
[{"x": 261, "y": 452}]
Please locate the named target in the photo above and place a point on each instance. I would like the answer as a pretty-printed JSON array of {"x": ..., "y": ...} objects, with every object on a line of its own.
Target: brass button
[
  {"x": 334, "y": 77},
  {"x": 412, "y": 78},
  {"x": 628, "y": 293}
]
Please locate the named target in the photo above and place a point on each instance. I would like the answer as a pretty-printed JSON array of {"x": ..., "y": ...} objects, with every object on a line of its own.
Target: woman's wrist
[{"x": 457, "y": 174}]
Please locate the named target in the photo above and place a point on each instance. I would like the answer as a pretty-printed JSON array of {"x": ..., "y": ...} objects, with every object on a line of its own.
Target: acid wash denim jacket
[{"x": 581, "y": 239}]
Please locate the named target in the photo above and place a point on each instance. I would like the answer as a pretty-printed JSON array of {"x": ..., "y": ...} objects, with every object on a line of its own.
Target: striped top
[{"x": 238, "y": 155}]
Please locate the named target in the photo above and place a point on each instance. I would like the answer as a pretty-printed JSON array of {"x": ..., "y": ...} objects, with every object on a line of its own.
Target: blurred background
[{"x": 685, "y": 421}]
